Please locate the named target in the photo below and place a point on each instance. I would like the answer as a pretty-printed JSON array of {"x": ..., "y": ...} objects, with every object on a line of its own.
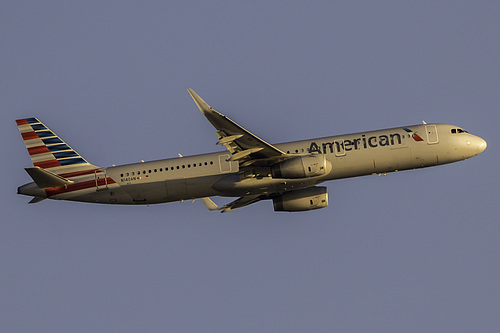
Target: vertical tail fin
[{"x": 48, "y": 151}]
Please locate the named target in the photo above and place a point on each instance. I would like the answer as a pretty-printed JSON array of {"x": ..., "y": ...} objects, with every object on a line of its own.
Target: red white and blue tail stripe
[{"x": 49, "y": 151}]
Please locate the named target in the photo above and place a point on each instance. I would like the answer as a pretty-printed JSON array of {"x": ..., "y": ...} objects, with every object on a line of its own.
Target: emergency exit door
[{"x": 432, "y": 134}]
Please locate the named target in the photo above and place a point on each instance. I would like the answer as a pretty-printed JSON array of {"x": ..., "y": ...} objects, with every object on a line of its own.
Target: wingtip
[
  {"x": 202, "y": 105},
  {"x": 210, "y": 204}
]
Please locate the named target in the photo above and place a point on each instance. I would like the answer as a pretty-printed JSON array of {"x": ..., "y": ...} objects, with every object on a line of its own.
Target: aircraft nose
[{"x": 481, "y": 145}]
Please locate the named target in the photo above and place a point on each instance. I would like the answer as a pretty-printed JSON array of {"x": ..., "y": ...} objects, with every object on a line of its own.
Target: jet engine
[
  {"x": 302, "y": 200},
  {"x": 302, "y": 167}
]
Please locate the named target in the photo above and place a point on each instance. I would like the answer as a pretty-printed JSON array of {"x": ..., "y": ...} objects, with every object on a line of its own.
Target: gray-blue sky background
[{"x": 413, "y": 251}]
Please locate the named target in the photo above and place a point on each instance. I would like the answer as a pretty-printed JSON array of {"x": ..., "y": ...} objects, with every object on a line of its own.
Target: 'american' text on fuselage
[{"x": 359, "y": 143}]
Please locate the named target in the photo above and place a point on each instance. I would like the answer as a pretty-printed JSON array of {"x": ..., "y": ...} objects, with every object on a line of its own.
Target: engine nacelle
[
  {"x": 302, "y": 167},
  {"x": 302, "y": 200}
]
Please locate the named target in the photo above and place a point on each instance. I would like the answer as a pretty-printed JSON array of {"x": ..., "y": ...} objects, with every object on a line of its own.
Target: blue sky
[{"x": 412, "y": 251}]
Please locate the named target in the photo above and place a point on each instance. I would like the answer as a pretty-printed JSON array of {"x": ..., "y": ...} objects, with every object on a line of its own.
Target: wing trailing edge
[{"x": 246, "y": 147}]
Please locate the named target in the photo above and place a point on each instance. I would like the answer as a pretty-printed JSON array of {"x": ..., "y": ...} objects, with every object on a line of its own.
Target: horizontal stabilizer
[
  {"x": 36, "y": 199},
  {"x": 45, "y": 179}
]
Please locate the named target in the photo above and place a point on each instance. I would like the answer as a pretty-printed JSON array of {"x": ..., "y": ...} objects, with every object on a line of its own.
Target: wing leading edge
[{"x": 245, "y": 147}]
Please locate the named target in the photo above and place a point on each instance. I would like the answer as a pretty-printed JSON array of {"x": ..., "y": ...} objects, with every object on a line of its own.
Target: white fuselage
[{"x": 214, "y": 174}]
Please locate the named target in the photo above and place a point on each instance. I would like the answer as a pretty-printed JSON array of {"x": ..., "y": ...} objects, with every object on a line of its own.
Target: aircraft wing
[
  {"x": 238, "y": 203},
  {"x": 245, "y": 147}
]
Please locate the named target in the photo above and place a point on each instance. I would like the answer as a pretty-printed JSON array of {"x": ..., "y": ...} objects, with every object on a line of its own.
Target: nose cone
[
  {"x": 473, "y": 145},
  {"x": 481, "y": 145}
]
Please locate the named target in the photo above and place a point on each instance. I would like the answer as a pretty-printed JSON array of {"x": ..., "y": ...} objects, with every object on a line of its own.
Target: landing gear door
[{"x": 101, "y": 182}]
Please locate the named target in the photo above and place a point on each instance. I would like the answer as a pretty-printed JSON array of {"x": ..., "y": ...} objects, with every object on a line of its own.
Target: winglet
[
  {"x": 210, "y": 204},
  {"x": 202, "y": 105},
  {"x": 236, "y": 139}
]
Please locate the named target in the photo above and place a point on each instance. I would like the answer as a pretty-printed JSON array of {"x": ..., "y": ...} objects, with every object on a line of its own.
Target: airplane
[{"x": 250, "y": 168}]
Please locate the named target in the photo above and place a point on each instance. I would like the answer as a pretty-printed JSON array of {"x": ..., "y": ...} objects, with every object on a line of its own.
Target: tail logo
[{"x": 46, "y": 149}]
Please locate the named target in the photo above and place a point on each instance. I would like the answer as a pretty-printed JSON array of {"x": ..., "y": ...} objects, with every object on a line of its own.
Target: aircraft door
[
  {"x": 101, "y": 181},
  {"x": 432, "y": 134},
  {"x": 224, "y": 164}
]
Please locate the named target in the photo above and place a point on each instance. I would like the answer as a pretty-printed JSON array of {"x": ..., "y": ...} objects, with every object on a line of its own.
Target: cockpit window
[{"x": 458, "y": 130}]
